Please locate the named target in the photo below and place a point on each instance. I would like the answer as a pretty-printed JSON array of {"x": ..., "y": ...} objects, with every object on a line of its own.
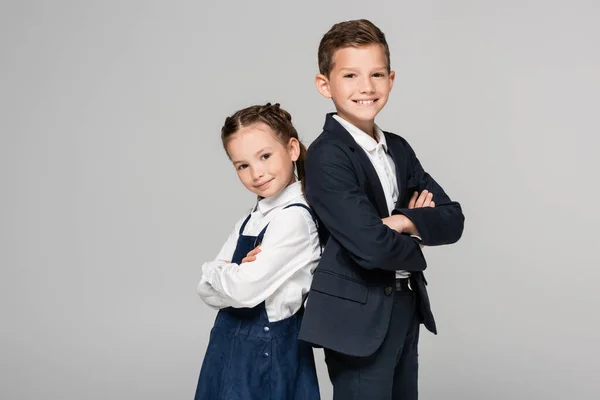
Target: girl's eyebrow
[
  {"x": 257, "y": 153},
  {"x": 263, "y": 150}
]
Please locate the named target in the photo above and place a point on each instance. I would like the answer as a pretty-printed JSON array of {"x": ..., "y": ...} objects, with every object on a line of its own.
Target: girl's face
[{"x": 263, "y": 164}]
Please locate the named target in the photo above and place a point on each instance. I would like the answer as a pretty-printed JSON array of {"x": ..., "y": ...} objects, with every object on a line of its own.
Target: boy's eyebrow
[{"x": 342, "y": 69}]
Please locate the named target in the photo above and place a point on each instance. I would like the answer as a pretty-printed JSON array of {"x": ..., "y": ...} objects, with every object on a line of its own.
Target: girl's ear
[{"x": 293, "y": 148}]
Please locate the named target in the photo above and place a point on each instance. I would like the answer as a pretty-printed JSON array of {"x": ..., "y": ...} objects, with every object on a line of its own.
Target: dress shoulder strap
[
  {"x": 322, "y": 234},
  {"x": 244, "y": 224}
]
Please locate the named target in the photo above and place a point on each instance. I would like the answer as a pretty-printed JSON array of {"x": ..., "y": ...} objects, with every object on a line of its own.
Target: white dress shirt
[
  {"x": 377, "y": 151},
  {"x": 281, "y": 275}
]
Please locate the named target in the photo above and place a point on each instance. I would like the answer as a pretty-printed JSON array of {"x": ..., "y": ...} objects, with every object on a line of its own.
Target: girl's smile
[{"x": 264, "y": 165}]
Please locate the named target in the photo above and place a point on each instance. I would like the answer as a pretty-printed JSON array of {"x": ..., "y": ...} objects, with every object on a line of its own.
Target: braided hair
[{"x": 276, "y": 118}]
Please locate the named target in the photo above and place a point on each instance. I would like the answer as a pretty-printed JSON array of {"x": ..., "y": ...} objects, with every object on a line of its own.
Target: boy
[{"x": 369, "y": 190}]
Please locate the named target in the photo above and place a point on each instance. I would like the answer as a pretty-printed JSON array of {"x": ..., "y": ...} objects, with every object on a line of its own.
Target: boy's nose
[{"x": 366, "y": 86}]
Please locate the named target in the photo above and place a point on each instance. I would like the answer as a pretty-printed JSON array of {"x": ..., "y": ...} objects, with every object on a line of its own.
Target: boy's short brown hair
[{"x": 360, "y": 32}]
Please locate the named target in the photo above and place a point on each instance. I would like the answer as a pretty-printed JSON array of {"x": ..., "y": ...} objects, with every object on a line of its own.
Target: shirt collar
[
  {"x": 361, "y": 138},
  {"x": 284, "y": 197}
]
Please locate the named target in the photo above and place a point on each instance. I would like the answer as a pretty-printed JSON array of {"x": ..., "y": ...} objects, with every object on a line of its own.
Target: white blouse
[{"x": 282, "y": 272}]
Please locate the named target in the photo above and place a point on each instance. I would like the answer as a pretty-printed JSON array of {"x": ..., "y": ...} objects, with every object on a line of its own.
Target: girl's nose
[{"x": 256, "y": 173}]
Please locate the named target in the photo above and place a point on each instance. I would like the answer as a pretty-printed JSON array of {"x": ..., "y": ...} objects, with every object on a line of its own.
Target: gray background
[{"x": 115, "y": 189}]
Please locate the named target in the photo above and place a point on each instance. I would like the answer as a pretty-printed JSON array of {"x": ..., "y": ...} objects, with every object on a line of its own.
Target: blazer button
[{"x": 388, "y": 290}]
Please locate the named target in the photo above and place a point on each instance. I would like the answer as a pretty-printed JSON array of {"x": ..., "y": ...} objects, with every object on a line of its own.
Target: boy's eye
[
  {"x": 242, "y": 166},
  {"x": 349, "y": 75},
  {"x": 265, "y": 156},
  {"x": 378, "y": 75}
]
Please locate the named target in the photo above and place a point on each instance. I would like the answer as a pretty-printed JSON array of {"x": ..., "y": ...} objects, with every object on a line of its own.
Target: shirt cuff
[
  {"x": 208, "y": 272},
  {"x": 418, "y": 238}
]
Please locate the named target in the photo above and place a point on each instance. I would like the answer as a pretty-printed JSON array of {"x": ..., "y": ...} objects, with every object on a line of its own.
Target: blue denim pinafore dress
[{"x": 250, "y": 358}]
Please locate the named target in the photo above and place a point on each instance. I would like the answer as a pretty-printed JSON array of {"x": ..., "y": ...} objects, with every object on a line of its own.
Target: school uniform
[
  {"x": 368, "y": 296},
  {"x": 253, "y": 352}
]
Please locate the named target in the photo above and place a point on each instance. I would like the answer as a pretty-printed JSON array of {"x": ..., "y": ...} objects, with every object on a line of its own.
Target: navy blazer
[{"x": 350, "y": 300}]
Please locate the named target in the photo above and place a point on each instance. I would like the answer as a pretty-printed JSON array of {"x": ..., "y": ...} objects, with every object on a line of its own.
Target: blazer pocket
[{"x": 336, "y": 285}]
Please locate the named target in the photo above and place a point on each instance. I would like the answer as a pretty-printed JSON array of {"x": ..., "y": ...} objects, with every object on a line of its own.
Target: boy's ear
[
  {"x": 323, "y": 85},
  {"x": 392, "y": 78}
]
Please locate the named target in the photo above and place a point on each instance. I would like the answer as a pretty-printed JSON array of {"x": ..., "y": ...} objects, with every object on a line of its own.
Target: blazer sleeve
[
  {"x": 333, "y": 191},
  {"x": 442, "y": 224}
]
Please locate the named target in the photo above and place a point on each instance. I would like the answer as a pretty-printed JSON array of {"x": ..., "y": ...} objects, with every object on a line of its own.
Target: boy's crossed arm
[
  {"x": 439, "y": 225},
  {"x": 401, "y": 223},
  {"x": 333, "y": 191}
]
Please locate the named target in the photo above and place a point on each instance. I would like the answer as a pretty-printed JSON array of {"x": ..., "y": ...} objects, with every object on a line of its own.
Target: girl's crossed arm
[
  {"x": 208, "y": 294},
  {"x": 290, "y": 244}
]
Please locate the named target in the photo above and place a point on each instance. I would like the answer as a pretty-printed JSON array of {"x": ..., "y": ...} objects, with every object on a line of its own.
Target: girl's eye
[
  {"x": 242, "y": 166},
  {"x": 265, "y": 156}
]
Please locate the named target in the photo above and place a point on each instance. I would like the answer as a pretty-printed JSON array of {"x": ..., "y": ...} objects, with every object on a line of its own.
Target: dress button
[
  {"x": 266, "y": 329},
  {"x": 388, "y": 290}
]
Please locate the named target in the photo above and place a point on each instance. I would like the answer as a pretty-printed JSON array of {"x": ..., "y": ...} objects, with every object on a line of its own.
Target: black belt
[{"x": 403, "y": 284}]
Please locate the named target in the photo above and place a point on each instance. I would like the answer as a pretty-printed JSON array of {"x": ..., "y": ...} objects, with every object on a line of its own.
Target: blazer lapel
[
  {"x": 373, "y": 179},
  {"x": 400, "y": 164}
]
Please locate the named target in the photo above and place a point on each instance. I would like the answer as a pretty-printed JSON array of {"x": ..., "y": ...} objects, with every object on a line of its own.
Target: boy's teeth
[{"x": 365, "y": 101}]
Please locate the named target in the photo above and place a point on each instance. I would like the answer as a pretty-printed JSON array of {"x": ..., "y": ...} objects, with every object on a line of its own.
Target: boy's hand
[
  {"x": 398, "y": 222},
  {"x": 418, "y": 201},
  {"x": 251, "y": 256},
  {"x": 402, "y": 224},
  {"x": 424, "y": 200}
]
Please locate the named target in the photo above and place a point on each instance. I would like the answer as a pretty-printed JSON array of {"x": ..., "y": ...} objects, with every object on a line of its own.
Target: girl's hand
[
  {"x": 423, "y": 200},
  {"x": 251, "y": 256}
]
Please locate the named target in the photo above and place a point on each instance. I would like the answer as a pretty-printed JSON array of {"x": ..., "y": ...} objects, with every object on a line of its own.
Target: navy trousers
[{"x": 391, "y": 373}]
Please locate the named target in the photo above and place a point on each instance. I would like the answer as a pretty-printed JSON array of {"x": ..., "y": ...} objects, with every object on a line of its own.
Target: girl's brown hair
[{"x": 276, "y": 118}]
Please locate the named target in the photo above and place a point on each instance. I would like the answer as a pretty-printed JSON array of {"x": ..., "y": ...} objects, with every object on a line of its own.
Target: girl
[{"x": 262, "y": 274}]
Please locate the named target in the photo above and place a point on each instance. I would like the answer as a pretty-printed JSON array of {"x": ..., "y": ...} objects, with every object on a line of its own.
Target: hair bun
[{"x": 282, "y": 112}]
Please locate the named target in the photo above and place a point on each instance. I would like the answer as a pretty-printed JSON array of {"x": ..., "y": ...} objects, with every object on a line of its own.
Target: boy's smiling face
[{"x": 359, "y": 84}]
